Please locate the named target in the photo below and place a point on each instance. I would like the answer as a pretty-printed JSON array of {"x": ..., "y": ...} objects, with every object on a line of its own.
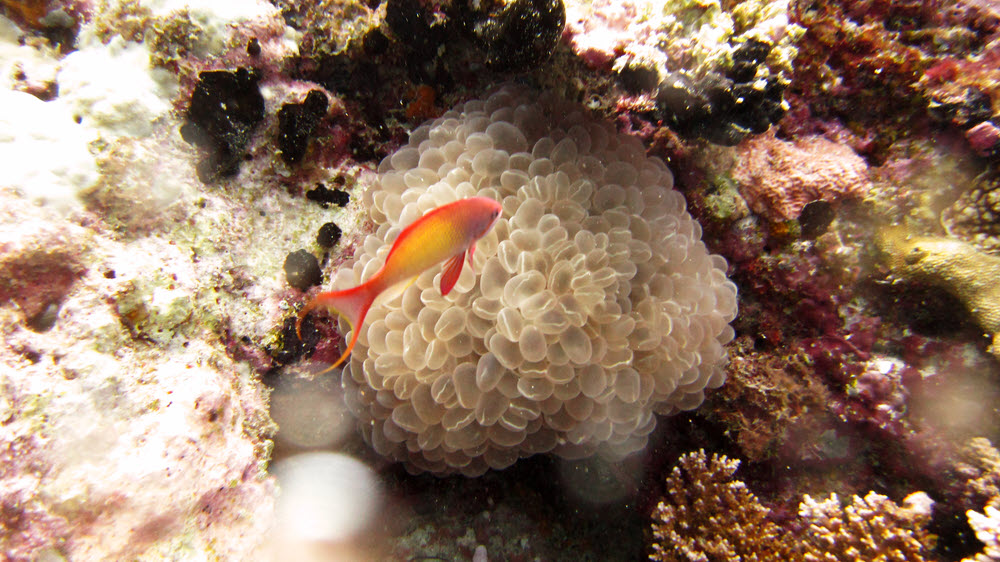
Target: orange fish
[{"x": 448, "y": 232}]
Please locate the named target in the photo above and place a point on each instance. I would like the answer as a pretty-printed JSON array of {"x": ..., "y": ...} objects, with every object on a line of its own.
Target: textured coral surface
[
  {"x": 958, "y": 267},
  {"x": 778, "y": 178}
]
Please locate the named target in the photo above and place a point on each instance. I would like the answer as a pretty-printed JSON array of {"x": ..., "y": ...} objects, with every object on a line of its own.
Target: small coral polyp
[{"x": 592, "y": 304}]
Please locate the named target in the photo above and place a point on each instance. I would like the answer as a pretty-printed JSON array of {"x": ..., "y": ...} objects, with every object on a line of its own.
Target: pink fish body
[{"x": 445, "y": 234}]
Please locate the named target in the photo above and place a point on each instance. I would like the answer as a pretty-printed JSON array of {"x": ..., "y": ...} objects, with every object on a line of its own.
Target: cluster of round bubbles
[{"x": 593, "y": 302}]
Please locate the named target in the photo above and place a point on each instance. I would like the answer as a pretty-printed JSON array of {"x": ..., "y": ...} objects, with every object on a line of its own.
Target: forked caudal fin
[{"x": 352, "y": 304}]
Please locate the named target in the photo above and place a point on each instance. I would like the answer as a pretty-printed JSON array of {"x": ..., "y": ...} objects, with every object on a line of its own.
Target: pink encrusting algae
[{"x": 778, "y": 178}]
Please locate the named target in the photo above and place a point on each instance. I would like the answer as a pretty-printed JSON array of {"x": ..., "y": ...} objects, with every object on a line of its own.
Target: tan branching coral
[
  {"x": 707, "y": 516},
  {"x": 980, "y": 469},
  {"x": 870, "y": 528},
  {"x": 591, "y": 304},
  {"x": 955, "y": 266},
  {"x": 987, "y": 528}
]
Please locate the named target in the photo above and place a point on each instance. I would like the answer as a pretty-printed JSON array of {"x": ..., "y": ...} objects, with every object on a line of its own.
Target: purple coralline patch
[
  {"x": 21, "y": 275},
  {"x": 887, "y": 66},
  {"x": 779, "y": 178}
]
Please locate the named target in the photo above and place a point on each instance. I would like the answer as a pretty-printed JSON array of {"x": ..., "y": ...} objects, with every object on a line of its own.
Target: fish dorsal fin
[{"x": 452, "y": 269}]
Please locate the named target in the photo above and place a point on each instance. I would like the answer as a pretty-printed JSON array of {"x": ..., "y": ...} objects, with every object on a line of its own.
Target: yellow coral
[{"x": 955, "y": 266}]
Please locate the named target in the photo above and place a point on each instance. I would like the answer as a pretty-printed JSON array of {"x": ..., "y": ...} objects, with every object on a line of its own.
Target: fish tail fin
[{"x": 352, "y": 304}]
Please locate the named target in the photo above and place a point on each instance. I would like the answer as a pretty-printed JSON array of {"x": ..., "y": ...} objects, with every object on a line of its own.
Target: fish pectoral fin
[
  {"x": 452, "y": 269},
  {"x": 472, "y": 250}
]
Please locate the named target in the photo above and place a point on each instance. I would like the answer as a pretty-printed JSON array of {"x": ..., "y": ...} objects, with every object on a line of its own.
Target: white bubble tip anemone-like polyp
[{"x": 592, "y": 304}]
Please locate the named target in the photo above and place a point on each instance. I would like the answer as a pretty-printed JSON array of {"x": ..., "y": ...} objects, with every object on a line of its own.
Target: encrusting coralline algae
[{"x": 593, "y": 304}]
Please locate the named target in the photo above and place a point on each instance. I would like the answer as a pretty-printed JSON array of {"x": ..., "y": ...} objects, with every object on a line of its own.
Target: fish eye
[{"x": 495, "y": 214}]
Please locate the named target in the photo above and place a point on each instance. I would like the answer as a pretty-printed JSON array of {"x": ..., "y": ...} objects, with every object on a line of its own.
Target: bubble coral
[{"x": 591, "y": 305}]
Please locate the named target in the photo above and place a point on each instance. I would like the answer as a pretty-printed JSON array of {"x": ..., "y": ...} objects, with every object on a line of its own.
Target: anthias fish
[{"x": 445, "y": 234}]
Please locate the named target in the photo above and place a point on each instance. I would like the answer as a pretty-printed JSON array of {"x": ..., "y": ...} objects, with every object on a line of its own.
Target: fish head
[{"x": 485, "y": 212}]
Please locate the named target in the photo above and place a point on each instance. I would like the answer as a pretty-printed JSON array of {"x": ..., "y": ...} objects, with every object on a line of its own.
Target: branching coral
[
  {"x": 707, "y": 516},
  {"x": 987, "y": 528},
  {"x": 597, "y": 302},
  {"x": 980, "y": 470},
  {"x": 978, "y": 483},
  {"x": 869, "y": 528}
]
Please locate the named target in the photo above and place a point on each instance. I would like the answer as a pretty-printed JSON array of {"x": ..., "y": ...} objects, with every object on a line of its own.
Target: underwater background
[{"x": 742, "y": 302}]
